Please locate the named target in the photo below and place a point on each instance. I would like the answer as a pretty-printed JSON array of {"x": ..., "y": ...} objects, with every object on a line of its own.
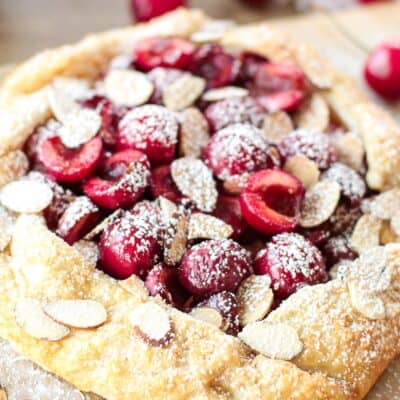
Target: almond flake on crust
[
  {"x": 366, "y": 233},
  {"x": 30, "y": 316},
  {"x": 276, "y": 126},
  {"x": 212, "y": 31},
  {"x": 175, "y": 237},
  {"x": 127, "y": 87},
  {"x": 195, "y": 180},
  {"x": 225, "y": 92},
  {"x": 304, "y": 169},
  {"x": 350, "y": 150},
  {"x": 89, "y": 251},
  {"x": 385, "y": 205},
  {"x": 79, "y": 126},
  {"x": 77, "y": 313},
  {"x": 153, "y": 324},
  {"x": 194, "y": 132},
  {"x": 275, "y": 340},
  {"x": 370, "y": 306},
  {"x": 313, "y": 114},
  {"x": 204, "y": 226},
  {"x": 103, "y": 224},
  {"x": 6, "y": 227},
  {"x": 255, "y": 298},
  {"x": 13, "y": 166},
  {"x": 183, "y": 92},
  {"x": 26, "y": 196},
  {"x": 235, "y": 183},
  {"x": 320, "y": 203},
  {"x": 210, "y": 315}
]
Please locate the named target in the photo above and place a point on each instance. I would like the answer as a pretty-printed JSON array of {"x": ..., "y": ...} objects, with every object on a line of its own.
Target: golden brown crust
[{"x": 344, "y": 352}]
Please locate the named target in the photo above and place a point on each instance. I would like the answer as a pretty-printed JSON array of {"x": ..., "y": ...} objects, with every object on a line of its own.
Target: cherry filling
[
  {"x": 69, "y": 165},
  {"x": 187, "y": 258},
  {"x": 163, "y": 52},
  {"x": 271, "y": 201},
  {"x": 125, "y": 176}
]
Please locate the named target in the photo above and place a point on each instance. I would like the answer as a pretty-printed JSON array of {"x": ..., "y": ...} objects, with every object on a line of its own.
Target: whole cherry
[
  {"x": 143, "y": 10},
  {"x": 382, "y": 70}
]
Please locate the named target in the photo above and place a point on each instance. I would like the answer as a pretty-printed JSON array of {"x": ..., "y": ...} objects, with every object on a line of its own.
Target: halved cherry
[
  {"x": 228, "y": 209},
  {"x": 287, "y": 100},
  {"x": 131, "y": 244},
  {"x": 125, "y": 176},
  {"x": 163, "y": 281},
  {"x": 274, "y": 77},
  {"x": 162, "y": 184},
  {"x": 215, "y": 65},
  {"x": 155, "y": 52},
  {"x": 250, "y": 63},
  {"x": 78, "y": 219},
  {"x": 69, "y": 165},
  {"x": 291, "y": 261},
  {"x": 271, "y": 201},
  {"x": 214, "y": 266},
  {"x": 151, "y": 129}
]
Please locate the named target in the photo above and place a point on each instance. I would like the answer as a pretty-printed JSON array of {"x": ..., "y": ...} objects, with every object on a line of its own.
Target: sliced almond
[
  {"x": 204, "y": 226},
  {"x": 194, "y": 133},
  {"x": 366, "y": 233},
  {"x": 304, "y": 169},
  {"x": 79, "y": 127},
  {"x": 6, "y": 227},
  {"x": 320, "y": 203},
  {"x": 225, "y": 92},
  {"x": 183, "y": 92},
  {"x": 350, "y": 150},
  {"x": 128, "y": 87},
  {"x": 275, "y": 340},
  {"x": 89, "y": 250},
  {"x": 195, "y": 181},
  {"x": 77, "y": 313},
  {"x": 153, "y": 324},
  {"x": 385, "y": 205},
  {"x": 61, "y": 103},
  {"x": 76, "y": 89},
  {"x": 387, "y": 233},
  {"x": 26, "y": 196},
  {"x": 368, "y": 305},
  {"x": 313, "y": 114},
  {"x": 175, "y": 238},
  {"x": 210, "y": 315},
  {"x": 30, "y": 316},
  {"x": 212, "y": 31},
  {"x": 235, "y": 184},
  {"x": 276, "y": 126},
  {"x": 168, "y": 209},
  {"x": 103, "y": 224},
  {"x": 255, "y": 298},
  {"x": 338, "y": 270},
  {"x": 13, "y": 166}
]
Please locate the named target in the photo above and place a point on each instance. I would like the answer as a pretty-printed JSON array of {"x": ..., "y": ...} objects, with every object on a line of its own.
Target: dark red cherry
[
  {"x": 214, "y": 266},
  {"x": 292, "y": 262},
  {"x": 338, "y": 249},
  {"x": 143, "y": 10}
]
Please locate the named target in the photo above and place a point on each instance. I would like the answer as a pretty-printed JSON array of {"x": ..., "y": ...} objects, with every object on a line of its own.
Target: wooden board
[{"x": 345, "y": 38}]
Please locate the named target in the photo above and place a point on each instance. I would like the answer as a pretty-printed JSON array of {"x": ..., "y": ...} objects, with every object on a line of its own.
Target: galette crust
[{"x": 344, "y": 352}]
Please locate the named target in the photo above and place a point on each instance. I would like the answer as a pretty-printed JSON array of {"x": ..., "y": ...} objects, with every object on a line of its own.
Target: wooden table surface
[{"x": 345, "y": 38}]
